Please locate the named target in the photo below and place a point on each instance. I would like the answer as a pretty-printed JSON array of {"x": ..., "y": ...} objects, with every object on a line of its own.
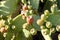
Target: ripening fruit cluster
[
  {"x": 2, "y": 24},
  {"x": 45, "y": 26},
  {"x": 43, "y": 18},
  {"x": 29, "y": 28},
  {"x": 24, "y": 11},
  {"x": 27, "y": 12}
]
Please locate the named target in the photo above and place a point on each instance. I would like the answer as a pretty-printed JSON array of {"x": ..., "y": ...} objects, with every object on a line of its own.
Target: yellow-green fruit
[
  {"x": 59, "y": 37},
  {"x": 25, "y": 26},
  {"x": 54, "y": 8},
  {"x": 46, "y": 12},
  {"x": 4, "y": 34},
  {"x": 42, "y": 0},
  {"x": 40, "y": 22},
  {"x": 58, "y": 28},
  {"x": 48, "y": 24},
  {"x": 31, "y": 11},
  {"x": 29, "y": 7},
  {"x": 42, "y": 27},
  {"x": 29, "y": 2},
  {"x": 33, "y": 31},
  {"x": 45, "y": 31},
  {"x": 23, "y": 1},
  {"x": 43, "y": 17},
  {"x": 52, "y": 30},
  {"x": 2, "y": 23}
]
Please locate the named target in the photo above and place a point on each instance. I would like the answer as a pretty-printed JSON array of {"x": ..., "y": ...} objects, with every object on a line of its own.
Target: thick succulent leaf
[
  {"x": 9, "y": 35},
  {"x": 18, "y": 22},
  {"x": 35, "y": 3},
  {"x": 54, "y": 18},
  {"x": 35, "y": 22},
  {"x": 7, "y": 7},
  {"x": 20, "y": 36},
  {"x": 1, "y": 36},
  {"x": 23, "y": 35}
]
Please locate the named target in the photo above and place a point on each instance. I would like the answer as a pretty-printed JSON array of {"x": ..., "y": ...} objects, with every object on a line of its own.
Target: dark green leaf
[
  {"x": 54, "y": 19},
  {"x": 35, "y": 22},
  {"x": 35, "y": 3},
  {"x": 9, "y": 7},
  {"x": 18, "y": 22}
]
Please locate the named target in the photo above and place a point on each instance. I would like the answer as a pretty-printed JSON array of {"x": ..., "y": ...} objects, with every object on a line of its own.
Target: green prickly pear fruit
[
  {"x": 46, "y": 12},
  {"x": 45, "y": 31},
  {"x": 25, "y": 26},
  {"x": 23, "y": 17},
  {"x": 59, "y": 37},
  {"x": 23, "y": 1},
  {"x": 58, "y": 28},
  {"x": 52, "y": 30},
  {"x": 33, "y": 31},
  {"x": 29, "y": 7},
  {"x": 40, "y": 22},
  {"x": 43, "y": 17},
  {"x": 54, "y": 8},
  {"x": 48, "y": 24},
  {"x": 31, "y": 11},
  {"x": 42, "y": 27}
]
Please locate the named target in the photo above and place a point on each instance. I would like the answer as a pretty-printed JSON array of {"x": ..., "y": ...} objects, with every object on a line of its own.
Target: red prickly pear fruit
[{"x": 30, "y": 19}]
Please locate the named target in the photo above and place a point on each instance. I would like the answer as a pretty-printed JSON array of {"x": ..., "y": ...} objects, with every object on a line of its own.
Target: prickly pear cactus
[{"x": 27, "y": 20}]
